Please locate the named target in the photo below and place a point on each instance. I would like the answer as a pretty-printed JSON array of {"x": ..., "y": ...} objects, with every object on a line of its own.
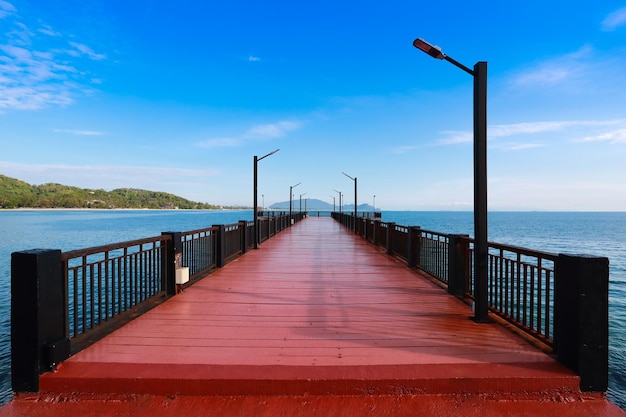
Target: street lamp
[
  {"x": 256, "y": 214},
  {"x": 301, "y": 201},
  {"x": 481, "y": 248},
  {"x": 263, "y": 201},
  {"x": 333, "y": 197},
  {"x": 374, "y": 203},
  {"x": 353, "y": 179},
  {"x": 338, "y": 192},
  {"x": 291, "y": 187}
]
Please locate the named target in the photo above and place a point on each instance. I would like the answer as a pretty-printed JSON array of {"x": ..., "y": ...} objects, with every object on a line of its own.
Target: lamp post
[
  {"x": 338, "y": 192},
  {"x": 374, "y": 203},
  {"x": 301, "y": 201},
  {"x": 481, "y": 248},
  {"x": 291, "y": 187},
  {"x": 353, "y": 179},
  {"x": 255, "y": 205},
  {"x": 263, "y": 201},
  {"x": 333, "y": 197}
]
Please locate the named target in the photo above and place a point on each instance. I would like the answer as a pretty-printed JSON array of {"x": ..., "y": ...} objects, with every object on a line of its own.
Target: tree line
[{"x": 19, "y": 194}]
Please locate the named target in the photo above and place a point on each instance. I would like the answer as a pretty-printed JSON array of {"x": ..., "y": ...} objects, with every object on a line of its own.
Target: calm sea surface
[{"x": 601, "y": 234}]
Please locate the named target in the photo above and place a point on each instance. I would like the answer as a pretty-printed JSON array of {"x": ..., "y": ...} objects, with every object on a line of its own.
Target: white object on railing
[{"x": 182, "y": 275}]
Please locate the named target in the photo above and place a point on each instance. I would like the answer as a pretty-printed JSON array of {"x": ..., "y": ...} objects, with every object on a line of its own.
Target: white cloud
[
  {"x": 79, "y": 132},
  {"x": 6, "y": 9},
  {"x": 252, "y": 58},
  {"x": 85, "y": 50},
  {"x": 220, "y": 143},
  {"x": 614, "y": 20},
  {"x": 271, "y": 131},
  {"x": 456, "y": 137},
  {"x": 613, "y": 137},
  {"x": 555, "y": 71},
  {"x": 36, "y": 70}
]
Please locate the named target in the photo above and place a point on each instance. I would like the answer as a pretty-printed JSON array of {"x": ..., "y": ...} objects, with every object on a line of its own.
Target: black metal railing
[
  {"x": 523, "y": 288},
  {"x": 65, "y": 301}
]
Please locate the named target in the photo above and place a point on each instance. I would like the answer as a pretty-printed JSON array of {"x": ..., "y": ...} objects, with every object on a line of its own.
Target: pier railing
[
  {"x": 64, "y": 301},
  {"x": 561, "y": 301}
]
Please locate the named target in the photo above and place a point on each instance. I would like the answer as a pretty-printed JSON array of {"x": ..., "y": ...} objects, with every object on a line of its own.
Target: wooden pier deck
[{"x": 315, "y": 322}]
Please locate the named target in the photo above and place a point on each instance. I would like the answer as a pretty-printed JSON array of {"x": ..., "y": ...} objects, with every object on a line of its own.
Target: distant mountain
[
  {"x": 18, "y": 194},
  {"x": 313, "y": 204}
]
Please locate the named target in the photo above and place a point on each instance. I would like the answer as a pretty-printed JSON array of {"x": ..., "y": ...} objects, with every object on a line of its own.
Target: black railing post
[
  {"x": 458, "y": 248},
  {"x": 243, "y": 231},
  {"x": 38, "y": 316},
  {"x": 173, "y": 260},
  {"x": 581, "y": 318},
  {"x": 413, "y": 249},
  {"x": 391, "y": 228},
  {"x": 220, "y": 246}
]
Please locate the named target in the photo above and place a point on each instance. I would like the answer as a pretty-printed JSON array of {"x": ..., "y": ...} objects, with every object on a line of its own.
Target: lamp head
[{"x": 431, "y": 50}]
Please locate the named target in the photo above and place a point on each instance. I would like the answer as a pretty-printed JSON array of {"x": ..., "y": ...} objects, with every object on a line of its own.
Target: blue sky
[{"x": 179, "y": 97}]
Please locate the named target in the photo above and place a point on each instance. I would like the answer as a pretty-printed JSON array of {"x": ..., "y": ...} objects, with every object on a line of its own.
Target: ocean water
[{"x": 600, "y": 234}]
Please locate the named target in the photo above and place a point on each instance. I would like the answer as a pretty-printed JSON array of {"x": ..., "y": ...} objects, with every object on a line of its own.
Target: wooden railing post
[
  {"x": 413, "y": 250},
  {"x": 173, "y": 260},
  {"x": 243, "y": 233},
  {"x": 38, "y": 316},
  {"x": 220, "y": 246},
  {"x": 581, "y": 318},
  {"x": 458, "y": 246},
  {"x": 391, "y": 228}
]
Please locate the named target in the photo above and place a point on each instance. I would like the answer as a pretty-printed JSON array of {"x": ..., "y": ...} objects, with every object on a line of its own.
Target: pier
[{"x": 322, "y": 319}]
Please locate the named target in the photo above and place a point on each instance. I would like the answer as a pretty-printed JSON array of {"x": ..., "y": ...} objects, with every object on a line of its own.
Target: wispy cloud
[
  {"x": 612, "y": 137},
  {"x": 79, "y": 132},
  {"x": 273, "y": 130},
  {"x": 258, "y": 132},
  {"x": 6, "y": 9},
  {"x": 555, "y": 71},
  {"x": 253, "y": 58},
  {"x": 614, "y": 20},
  {"x": 220, "y": 143},
  {"x": 454, "y": 137},
  {"x": 36, "y": 66},
  {"x": 81, "y": 49}
]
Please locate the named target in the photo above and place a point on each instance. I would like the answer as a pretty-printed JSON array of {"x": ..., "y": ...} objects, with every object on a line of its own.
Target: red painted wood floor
[{"x": 315, "y": 322}]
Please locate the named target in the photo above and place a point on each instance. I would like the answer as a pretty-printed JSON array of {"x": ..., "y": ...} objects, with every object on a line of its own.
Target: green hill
[{"x": 18, "y": 194}]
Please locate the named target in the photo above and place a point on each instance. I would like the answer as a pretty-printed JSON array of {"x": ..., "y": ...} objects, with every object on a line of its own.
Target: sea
[{"x": 590, "y": 233}]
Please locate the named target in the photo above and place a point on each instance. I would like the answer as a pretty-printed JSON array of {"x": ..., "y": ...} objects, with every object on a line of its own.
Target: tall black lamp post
[
  {"x": 338, "y": 192},
  {"x": 301, "y": 201},
  {"x": 355, "y": 209},
  {"x": 481, "y": 247},
  {"x": 291, "y": 187},
  {"x": 256, "y": 208}
]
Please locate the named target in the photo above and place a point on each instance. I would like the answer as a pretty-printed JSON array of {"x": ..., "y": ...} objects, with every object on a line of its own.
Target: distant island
[{"x": 19, "y": 194}]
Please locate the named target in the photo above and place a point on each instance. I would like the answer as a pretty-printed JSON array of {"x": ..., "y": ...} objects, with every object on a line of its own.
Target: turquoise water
[{"x": 600, "y": 234}]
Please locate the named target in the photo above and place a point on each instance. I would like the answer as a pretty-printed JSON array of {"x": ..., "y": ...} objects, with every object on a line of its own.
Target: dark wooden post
[
  {"x": 581, "y": 318},
  {"x": 173, "y": 260},
  {"x": 391, "y": 228},
  {"x": 458, "y": 250},
  {"x": 38, "y": 316},
  {"x": 243, "y": 233},
  {"x": 413, "y": 250},
  {"x": 220, "y": 246}
]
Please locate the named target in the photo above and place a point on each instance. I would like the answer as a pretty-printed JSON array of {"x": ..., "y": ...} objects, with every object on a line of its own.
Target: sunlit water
[{"x": 600, "y": 234}]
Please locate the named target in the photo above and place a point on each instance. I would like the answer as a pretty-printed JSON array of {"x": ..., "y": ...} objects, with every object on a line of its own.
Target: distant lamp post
[
  {"x": 374, "y": 203},
  {"x": 255, "y": 205},
  {"x": 481, "y": 248},
  {"x": 263, "y": 201},
  {"x": 338, "y": 192},
  {"x": 355, "y": 209},
  {"x": 333, "y": 197},
  {"x": 301, "y": 201},
  {"x": 291, "y": 187}
]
